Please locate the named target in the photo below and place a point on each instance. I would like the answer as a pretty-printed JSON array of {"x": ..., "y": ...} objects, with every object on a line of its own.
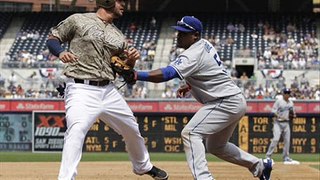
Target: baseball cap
[
  {"x": 189, "y": 24},
  {"x": 286, "y": 91}
]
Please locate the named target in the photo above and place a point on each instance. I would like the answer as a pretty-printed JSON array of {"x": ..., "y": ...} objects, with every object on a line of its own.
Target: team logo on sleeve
[{"x": 178, "y": 61}]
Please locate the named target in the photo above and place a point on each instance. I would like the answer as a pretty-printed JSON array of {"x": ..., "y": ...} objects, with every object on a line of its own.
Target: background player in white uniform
[
  {"x": 223, "y": 103},
  {"x": 281, "y": 126},
  {"x": 89, "y": 94}
]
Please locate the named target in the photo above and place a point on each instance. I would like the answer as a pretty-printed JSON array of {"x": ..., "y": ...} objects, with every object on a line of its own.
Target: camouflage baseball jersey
[
  {"x": 202, "y": 68},
  {"x": 93, "y": 42}
]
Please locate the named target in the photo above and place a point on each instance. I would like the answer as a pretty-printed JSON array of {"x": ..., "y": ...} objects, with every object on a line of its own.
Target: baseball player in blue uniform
[
  {"x": 90, "y": 94},
  {"x": 281, "y": 125},
  {"x": 223, "y": 103}
]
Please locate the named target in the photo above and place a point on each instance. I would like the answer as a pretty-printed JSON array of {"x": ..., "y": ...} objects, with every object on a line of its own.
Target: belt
[
  {"x": 283, "y": 121},
  {"x": 93, "y": 83}
]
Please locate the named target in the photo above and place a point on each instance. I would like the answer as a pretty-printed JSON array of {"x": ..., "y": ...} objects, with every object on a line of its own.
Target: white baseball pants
[{"x": 84, "y": 104}]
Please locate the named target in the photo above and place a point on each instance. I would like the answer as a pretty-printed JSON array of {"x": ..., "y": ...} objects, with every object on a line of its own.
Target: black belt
[
  {"x": 93, "y": 83},
  {"x": 283, "y": 121}
]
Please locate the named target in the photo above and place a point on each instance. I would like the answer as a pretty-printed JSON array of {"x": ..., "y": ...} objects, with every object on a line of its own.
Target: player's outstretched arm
[{"x": 158, "y": 75}]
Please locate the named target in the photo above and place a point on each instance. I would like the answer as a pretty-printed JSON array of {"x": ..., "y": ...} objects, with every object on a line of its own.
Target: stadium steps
[
  {"x": 161, "y": 59},
  {"x": 10, "y": 35},
  {"x": 318, "y": 35},
  {"x": 5, "y": 45}
]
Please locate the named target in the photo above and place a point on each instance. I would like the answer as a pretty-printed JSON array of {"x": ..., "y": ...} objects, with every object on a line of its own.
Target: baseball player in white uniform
[
  {"x": 223, "y": 103},
  {"x": 281, "y": 125},
  {"x": 90, "y": 93}
]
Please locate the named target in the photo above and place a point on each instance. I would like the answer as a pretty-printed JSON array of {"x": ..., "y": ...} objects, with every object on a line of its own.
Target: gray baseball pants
[
  {"x": 280, "y": 128},
  {"x": 215, "y": 122}
]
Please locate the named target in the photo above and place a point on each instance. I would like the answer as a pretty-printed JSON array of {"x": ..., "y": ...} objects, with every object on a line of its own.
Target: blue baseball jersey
[{"x": 201, "y": 67}]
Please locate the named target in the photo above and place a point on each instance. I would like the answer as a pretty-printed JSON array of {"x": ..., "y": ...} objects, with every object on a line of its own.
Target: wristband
[
  {"x": 54, "y": 47},
  {"x": 142, "y": 76}
]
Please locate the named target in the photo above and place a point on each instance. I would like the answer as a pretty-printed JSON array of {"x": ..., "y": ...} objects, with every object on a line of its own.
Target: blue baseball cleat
[{"x": 266, "y": 174}]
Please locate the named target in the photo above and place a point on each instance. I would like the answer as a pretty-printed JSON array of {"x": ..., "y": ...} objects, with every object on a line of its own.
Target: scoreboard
[
  {"x": 161, "y": 132},
  {"x": 15, "y": 132},
  {"x": 255, "y": 134}
]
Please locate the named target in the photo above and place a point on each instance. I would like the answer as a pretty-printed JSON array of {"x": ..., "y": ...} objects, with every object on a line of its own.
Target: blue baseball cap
[{"x": 189, "y": 24}]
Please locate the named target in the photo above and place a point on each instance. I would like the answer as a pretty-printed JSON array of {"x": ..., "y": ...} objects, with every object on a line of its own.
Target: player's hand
[
  {"x": 281, "y": 117},
  {"x": 132, "y": 56},
  {"x": 67, "y": 57},
  {"x": 278, "y": 116},
  {"x": 182, "y": 91}
]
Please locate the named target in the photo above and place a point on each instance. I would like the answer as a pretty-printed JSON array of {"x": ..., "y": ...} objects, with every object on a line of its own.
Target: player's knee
[
  {"x": 275, "y": 139},
  {"x": 184, "y": 133},
  {"x": 77, "y": 130}
]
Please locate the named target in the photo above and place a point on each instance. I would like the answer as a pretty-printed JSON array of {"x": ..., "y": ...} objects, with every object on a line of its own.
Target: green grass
[{"x": 56, "y": 157}]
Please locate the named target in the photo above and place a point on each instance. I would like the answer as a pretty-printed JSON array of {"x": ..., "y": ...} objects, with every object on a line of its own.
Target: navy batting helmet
[
  {"x": 107, "y": 4},
  {"x": 286, "y": 91}
]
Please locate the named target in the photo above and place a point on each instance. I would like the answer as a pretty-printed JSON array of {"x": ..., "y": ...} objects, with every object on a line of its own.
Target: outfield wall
[{"x": 39, "y": 125}]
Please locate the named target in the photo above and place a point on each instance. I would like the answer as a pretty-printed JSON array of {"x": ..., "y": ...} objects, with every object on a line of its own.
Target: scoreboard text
[{"x": 161, "y": 133}]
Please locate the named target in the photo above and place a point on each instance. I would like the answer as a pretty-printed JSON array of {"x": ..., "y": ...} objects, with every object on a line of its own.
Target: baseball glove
[
  {"x": 120, "y": 67},
  {"x": 61, "y": 89},
  {"x": 291, "y": 114}
]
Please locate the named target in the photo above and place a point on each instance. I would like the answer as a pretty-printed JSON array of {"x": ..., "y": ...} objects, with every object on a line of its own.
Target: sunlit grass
[{"x": 112, "y": 156}]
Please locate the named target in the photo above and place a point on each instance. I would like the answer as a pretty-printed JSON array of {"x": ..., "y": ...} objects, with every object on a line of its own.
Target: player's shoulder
[
  {"x": 197, "y": 46},
  {"x": 79, "y": 16},
  {"x": 89, "y": 14},
  {"x": 278, "y": 100},
  {"x": 207, "y": 46},
  {"x": 202, "y": 40},
  {"x": 291, "y": 100},
  {"x": 72, "y": 17}
]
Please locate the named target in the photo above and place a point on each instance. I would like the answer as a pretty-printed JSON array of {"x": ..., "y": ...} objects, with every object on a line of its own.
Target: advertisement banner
[
  {"x": 34, "y": 106},
  {"x": 48, "y": 131},
  {"x": 4, "y": 106},
  {"x": 143, "y": 106}
]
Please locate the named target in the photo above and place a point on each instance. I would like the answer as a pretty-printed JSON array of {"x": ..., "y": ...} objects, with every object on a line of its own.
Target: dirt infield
[{"x": 122, "y": 171}]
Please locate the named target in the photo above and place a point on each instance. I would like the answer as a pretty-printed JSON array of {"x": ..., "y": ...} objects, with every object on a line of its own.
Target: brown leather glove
[{"x": 120, "y": 67}]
